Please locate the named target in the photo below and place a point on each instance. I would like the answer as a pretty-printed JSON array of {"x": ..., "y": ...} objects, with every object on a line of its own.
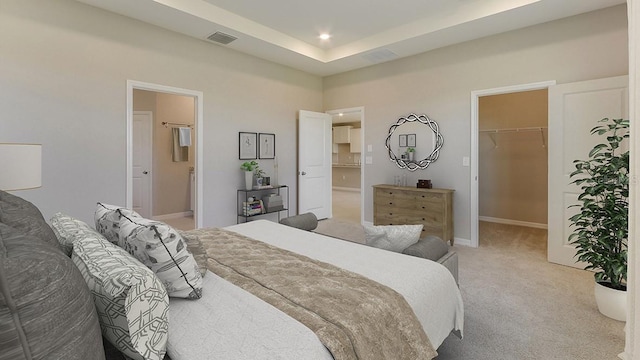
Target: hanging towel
[
  {"x": 180, "y": 153},
  {"x": 185, "y": 136}
]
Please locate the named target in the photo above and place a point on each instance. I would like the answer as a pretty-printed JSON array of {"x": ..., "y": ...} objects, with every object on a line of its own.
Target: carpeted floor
[{"x": 517, "y": 305}]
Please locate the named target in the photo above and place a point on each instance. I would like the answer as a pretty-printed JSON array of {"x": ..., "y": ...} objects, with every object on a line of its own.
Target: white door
[
  {"x": 142, "y": 161},
  {"x": 574, "y": 110},
  {"x": 314, "y": 164}
]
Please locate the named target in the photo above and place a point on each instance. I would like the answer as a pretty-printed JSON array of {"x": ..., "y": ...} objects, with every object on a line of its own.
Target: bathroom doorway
[{"x": 169, "y": 119}]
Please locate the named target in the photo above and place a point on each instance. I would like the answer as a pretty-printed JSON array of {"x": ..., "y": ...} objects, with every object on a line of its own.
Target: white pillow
[
  {"x": 392, "y": 237},
  {"x": 131, "y": 302},
  {"x": 161, "y": 248},
  {"x": 107, "y": 218}
]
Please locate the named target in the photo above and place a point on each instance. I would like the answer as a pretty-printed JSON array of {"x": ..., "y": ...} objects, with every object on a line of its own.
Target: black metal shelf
[{"x": 243, "y": 196}]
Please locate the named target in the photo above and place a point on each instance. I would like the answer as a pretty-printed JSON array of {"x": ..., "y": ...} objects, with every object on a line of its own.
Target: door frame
[
  {"x": 199, "y": 161},
  {"x": 475, "y": 107},
  {"x": 150, "y": 149},
  {"x": 362, "y": 152}
]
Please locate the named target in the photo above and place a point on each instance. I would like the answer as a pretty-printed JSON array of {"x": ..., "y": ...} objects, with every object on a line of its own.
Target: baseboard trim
[
  {"x": 512, "y": 222},
  {"x": 461, "y": 242},
  {"x": 173, "y": 216},
  {"x": 346, "y": 189}
]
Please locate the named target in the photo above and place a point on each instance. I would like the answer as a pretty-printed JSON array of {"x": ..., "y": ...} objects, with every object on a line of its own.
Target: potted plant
[
  {"x": 249, "y": 167},
  {"x": 601, "y": 226},
  {"x": 410, "y": 153},
  {"x": 259, "y": 175}
]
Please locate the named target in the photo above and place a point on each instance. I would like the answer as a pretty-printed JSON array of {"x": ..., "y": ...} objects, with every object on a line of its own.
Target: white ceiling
[{"x": 364, "y": 32}]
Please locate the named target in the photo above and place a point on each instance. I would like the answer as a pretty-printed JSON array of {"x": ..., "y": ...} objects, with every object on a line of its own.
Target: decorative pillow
[
  {"x": 195, "y": 247},
  {"x": 46, "y": 309},
  {"x": 69, "y": 229},
  {"x": 24, "y": 216},
  {"x": 107, "y": 218},
  {"x": 131, "y": 302},
  {"x": 392, "y": 237},
  {"x": 162, "y": 249},
  {"x": 307, "y": 221},
  {"x": 430, "y": 247}
]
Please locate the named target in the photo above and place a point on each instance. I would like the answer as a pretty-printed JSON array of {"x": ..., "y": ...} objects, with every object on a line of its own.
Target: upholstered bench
[{"x": 429, "y": 247}]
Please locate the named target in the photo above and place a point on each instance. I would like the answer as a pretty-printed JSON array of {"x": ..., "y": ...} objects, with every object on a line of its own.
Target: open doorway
[
  {"x": 513, "y": 168},
  {"x": 498, "y": 128},
  {"x": 164, "y": 143},
  {"x": 347, "y": 164}
]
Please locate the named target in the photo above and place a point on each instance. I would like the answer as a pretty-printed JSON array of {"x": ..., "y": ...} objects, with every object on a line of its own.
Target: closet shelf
[{"x": 493, "y": 132}]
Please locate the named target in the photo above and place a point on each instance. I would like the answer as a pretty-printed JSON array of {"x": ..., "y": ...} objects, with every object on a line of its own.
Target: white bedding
[{"x": 230, "y": 323}]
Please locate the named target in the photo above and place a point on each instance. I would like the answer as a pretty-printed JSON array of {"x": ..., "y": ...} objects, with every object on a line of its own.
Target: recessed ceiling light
[
  {"x": 341, "y": 114},
  {"x": 325, "y": 36}
]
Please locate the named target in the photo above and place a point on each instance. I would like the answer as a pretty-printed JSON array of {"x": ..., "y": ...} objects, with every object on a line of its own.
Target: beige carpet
[{"x": 517, "y": 305}]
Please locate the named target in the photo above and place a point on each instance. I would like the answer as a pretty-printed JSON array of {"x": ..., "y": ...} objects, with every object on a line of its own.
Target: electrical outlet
[
  {"x": 344, "y": 177},
  {"x": 465, "y": 161}
]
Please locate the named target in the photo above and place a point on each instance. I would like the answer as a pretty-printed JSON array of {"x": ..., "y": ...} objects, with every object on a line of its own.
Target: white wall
[
  {"x": 63, "y": 72},
  {"x": 439, "y": 83}
]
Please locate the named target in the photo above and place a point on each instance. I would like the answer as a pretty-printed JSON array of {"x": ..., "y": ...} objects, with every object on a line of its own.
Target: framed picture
[
  {"x": 248, "y": 146},
  {"x": 403, "y": 140},
  {"x": 267, "y": 146},
  {"x": 411, "y": 140}
]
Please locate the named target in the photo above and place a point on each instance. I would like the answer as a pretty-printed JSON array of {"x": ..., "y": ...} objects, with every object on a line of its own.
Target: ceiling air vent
[
  {"x": 378, "y": 56},
  {"x": 221, "y": 38}
]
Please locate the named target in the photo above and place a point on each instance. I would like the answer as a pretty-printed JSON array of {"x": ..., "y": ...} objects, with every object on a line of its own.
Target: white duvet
[{"x": 230, "y": 323}]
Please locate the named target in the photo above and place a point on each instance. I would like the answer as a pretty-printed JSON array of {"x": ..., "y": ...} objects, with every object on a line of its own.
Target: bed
[{"x": 231, "y": 323}]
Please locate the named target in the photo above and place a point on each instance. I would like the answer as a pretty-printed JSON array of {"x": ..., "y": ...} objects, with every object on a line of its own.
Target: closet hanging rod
[
  {"x": 492, "y": 133},
  {"x": 166, "y": 124},
  {"x": 522, "y": 129}
]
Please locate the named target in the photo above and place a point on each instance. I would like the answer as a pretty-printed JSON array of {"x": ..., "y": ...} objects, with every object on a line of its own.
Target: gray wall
[
  {"x": 63, "y": 72},
  {"x": 439, "y": 83}
]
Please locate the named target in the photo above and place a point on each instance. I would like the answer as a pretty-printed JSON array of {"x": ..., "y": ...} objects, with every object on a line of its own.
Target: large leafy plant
[{"x": 601, "y": 226}]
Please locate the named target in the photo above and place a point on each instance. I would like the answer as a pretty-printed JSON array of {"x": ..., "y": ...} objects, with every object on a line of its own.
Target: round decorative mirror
[{"x": 416, "y": 140}]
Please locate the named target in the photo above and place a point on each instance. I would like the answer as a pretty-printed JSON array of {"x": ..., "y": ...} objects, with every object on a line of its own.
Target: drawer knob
[
  {"x": 390, "y": 203},
  {"x": 423, "y": 207}
]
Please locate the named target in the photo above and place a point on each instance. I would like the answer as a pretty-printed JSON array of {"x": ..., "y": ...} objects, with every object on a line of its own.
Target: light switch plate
[
  {"x": 465, "y": 161},
  {"x": 369, "y": 148}
]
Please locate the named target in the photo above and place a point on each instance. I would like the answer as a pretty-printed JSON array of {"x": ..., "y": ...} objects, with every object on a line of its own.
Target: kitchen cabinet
[
  {"x": 356, "y": 140},
  {"x": 342, "y": 134}
]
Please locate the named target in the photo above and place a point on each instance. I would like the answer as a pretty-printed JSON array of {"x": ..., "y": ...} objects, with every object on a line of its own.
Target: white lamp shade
[{"x": 20, "y": 166}]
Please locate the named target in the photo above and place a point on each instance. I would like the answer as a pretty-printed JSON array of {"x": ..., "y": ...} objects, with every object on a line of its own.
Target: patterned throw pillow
[
  {"x": 107, "y": 218},
  {"x": 131, "y": 302},
  {"x": 69, "y": 229},
  {"x": 392, "y": 237},
  {"x": 162, "y": 249}
]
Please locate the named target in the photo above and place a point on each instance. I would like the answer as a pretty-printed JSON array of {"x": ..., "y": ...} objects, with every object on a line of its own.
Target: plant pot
[
  {"x": 611, "y": 302},
  {"x": 410, "y": 156},
  {"x": 248, "y": 180}
]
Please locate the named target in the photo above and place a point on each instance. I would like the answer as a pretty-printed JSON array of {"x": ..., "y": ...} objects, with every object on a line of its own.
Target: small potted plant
[
  {"x": 259, "y": 175},
  {"x": 249, "y": 167},
  {"x": 410, "y": 153},
  {"x": 601, "y": 225}
]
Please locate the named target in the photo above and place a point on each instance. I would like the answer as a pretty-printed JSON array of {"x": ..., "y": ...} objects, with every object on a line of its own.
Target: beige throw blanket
[{"x": 353, "y": 316}]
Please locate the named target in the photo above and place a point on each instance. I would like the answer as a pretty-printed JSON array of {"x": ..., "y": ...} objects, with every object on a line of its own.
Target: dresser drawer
[{"x": 433, "y": 208}]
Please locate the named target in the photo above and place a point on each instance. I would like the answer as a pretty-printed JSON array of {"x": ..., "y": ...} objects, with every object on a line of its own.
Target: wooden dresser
[{"x": 401, "y": 205}]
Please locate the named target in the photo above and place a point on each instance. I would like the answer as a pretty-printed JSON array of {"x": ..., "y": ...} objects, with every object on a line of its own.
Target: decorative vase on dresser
[{"x": 401, "y": 205}]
